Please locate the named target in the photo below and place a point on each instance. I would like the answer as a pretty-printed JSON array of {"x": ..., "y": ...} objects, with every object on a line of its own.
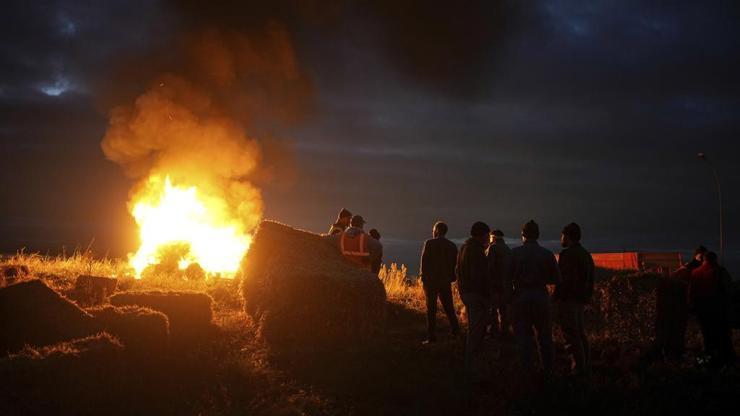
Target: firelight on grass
[{"x": 172, "y": 215}]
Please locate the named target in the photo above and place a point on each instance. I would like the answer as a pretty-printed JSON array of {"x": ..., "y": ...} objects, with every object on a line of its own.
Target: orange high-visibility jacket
[{"x": 355, "y": 249}]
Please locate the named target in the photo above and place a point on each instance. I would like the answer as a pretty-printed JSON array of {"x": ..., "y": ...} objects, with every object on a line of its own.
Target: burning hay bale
[
  {"x": 141, "y": 330},
  {"x": 63, "y": 378},
  {"x": 305, "y": 294},
  {"x": 190, "y": 314},
  {"x": 32, "y": 313},
  {"x": 93, "y": 290}
]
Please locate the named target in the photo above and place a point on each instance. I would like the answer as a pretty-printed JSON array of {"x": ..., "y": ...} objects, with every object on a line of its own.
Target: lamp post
[{"x": 703, "y": 157}]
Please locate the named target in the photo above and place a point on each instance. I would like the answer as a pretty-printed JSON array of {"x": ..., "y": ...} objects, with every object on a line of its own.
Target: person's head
[
  {"x": 374, "y": 234},
  {"x": 344, "y": 217},
  {"x": 711, "y": 258},
  {"x": 439, "y": 229},
  {"x": 495, "y": 235},
  {"x": 699, "y": 253},
  {"x": 480, "y": 231},
  {"x": 357, "y": 221},
  {"x": 530, "y": 231},
  {"x": 570, "y": 235}
]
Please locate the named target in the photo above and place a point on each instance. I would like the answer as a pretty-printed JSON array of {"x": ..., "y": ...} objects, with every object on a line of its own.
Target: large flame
[{"x": 183, "y": 216}]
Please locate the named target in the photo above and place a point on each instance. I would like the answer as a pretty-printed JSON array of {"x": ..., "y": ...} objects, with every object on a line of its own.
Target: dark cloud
[{"x": 502, "y": 111}]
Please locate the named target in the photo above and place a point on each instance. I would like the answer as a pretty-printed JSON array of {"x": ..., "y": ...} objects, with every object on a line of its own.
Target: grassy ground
[{"x": 394, "y": 373}]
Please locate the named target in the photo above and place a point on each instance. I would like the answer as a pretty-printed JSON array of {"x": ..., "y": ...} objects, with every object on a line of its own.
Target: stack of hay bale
[{"x": 305, "y": 295}]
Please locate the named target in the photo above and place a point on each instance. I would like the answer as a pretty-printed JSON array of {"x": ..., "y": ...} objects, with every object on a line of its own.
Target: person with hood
[
  {"x": 499, "y": 267},
  {"x": 533, "y": 268},
  {"x": 437, "y": 272},
  {"x": 342, "y": 222},
  {"x": 572, "y": 294},
  {"x": 473, "y": 285}
]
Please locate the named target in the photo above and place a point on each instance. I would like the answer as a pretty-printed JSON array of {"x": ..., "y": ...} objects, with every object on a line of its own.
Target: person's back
[
  {"x": 472, "y": 268},
  {"x": 473, "y": 285},
  {"x": 438, "y": 261},
  {"x": 437, "y": 272},
  {"x": 572, "y": 294},
  {"x": 533, "y": 267},
  {"x": 577, "y": 274},
  {"x": 357, "y": 246}
]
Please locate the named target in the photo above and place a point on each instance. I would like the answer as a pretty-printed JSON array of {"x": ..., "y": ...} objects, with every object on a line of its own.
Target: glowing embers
[{"x": 184, "y": 230}]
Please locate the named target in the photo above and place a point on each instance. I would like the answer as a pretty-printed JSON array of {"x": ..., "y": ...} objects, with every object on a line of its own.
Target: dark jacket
[
  {"x": 533, "y": 267},
  {"x": 472, "y": 268},
  {"x": 577, "y": 273},
  {"x": 499, "y": 267},
  {"x": 438, "y": 257}
]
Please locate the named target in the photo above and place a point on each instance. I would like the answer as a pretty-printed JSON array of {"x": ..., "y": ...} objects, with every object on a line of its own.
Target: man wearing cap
[
  {"x": 437, "y": 272},
  {"x": 572, "y": 294},
  {"x": 499, "y": 266},
  {"x": 341, "y": 223},
  {"x": 533, "y": 267},
  {"x": 357, "y": 246},
  {"x": 473, "y": 285}
]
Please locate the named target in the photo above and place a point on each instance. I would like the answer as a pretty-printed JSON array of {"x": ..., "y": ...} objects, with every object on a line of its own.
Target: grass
[{"x": 393, "y": 373}]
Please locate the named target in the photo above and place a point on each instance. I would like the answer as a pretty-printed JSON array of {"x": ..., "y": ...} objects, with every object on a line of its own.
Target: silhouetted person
[
  {"x": 342, "y": 222},
  {"x": 437, "y": 271},
  {"x": 533, "y": 267},
  {"x": 708, "y": 297},
  {"x": 375, "y": 266},
  {"x": 499, "y": 268},
  {"x": 672, "y": 310},
  {"x": 357, "y": 246},
  {"x": 473, "y": 285},
  {"x": 572, "y": 294}
]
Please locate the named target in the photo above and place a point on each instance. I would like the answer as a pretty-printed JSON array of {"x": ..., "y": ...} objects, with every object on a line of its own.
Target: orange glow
[{"x": 173, "y": 215}]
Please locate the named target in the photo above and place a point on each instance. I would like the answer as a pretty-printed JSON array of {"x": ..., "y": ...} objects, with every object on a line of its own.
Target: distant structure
[{"x": 660, "y": 262}]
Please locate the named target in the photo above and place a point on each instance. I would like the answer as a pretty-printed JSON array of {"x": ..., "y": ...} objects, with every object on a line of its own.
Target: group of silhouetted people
[
  {"x": 505, "y": 289},
  {"x": 701, "y": 287},
  {"x": 502, "y": 286}
]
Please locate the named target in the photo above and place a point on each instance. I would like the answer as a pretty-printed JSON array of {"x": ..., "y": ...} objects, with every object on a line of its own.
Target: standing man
[
  {"x": 437, "y": 271},
  {"x": 571, "y": 296},
  {"x": 499, "y": 267},
  {"x": 473, "y": 284},
  {"x": 342, "y": 222},
  {"x": 533, "y": 267}
]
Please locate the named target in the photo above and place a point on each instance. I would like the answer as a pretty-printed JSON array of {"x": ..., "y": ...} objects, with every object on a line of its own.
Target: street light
[{"x": 703, "y": 157}]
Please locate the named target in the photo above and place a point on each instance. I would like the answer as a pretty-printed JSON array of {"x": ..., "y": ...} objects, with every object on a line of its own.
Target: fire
[{"x": 200, "y": 226}]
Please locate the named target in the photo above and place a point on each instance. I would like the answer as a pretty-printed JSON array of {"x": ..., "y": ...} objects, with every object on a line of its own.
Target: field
[{"x": 236, "y": 372}]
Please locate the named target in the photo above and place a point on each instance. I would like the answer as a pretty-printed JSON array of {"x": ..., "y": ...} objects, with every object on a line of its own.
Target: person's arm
[
  {"x": 590, "y": 276},
  {"x": 424, "y": 260},
  {"x": 452, "y": 253}
]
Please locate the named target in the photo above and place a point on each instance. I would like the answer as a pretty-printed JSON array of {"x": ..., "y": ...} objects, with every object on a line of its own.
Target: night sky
[{"x": 560, "y": 111}]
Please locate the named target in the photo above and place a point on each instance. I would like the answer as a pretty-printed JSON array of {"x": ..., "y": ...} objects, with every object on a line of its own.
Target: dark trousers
[
  {"x": 476, "y": 306},
  {"x": 531, "y": 312},
  {"x": 715, "y": 330},
  {"x": 570, "y": 319},
  {"x": 443, "y": 291}
]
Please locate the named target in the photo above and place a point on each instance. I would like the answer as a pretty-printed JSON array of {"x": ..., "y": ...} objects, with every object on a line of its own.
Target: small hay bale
[
  {"x": 141, "y": 330},
  {"x": 93, "y": 290},
  {"x": 9, "y": 273},
  {"x": 305, "y": 294},
  {"x": 32, "y": 313},
  {"x": 64, "y": 378},
  {"x": 190, "y": 314}
]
